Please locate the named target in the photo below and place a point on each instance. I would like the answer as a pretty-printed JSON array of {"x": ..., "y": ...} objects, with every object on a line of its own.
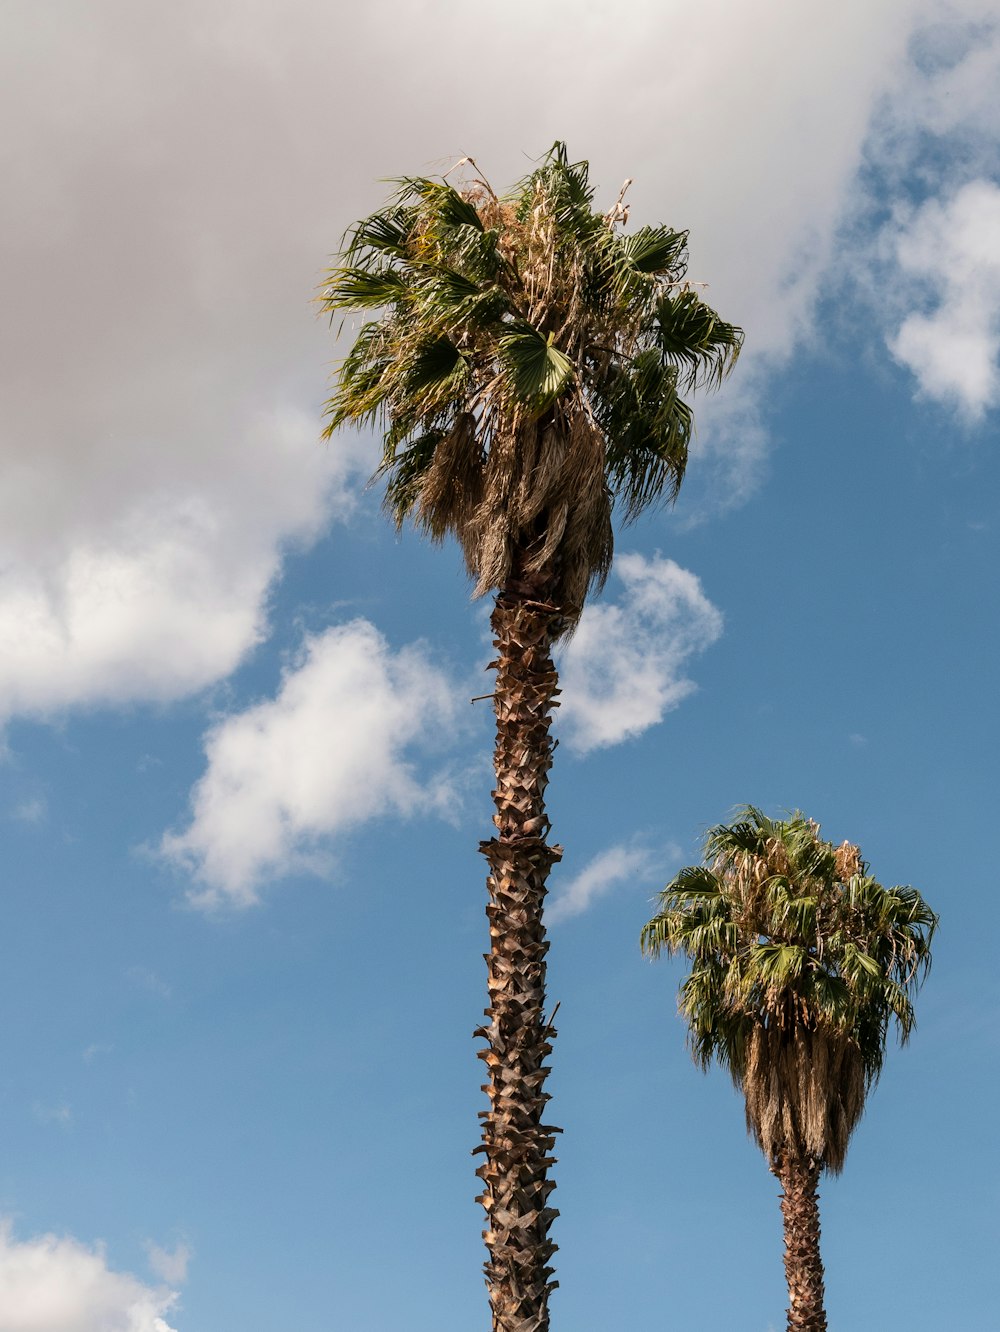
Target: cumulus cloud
[
  {"x": 161, "y": 367},
  {"x": 334, "y": 748},
  {"x": 54, "y": 1283},
  {"x": 155, "y": 589},
  {"x": 611, "y": 868},
  {"x": 624, "y": 667},
  {"x": 948, "y": 251}
]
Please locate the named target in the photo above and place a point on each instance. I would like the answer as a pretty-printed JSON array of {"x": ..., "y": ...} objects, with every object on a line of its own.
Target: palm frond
[
  {"x": 444, "y": 208},
  {"x": 384, "y": 234},
  {"x": 693, "y": 337},
  {"x": 362, "y": 288},
  {"x": 435, "y": 364},
  {"x": 659, "y": 250},
  {"x": 536, "y": 370}
]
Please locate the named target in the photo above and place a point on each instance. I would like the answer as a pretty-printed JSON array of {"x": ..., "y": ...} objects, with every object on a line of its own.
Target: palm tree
[
  {"x": 525, "y": 367},
  {"x": 801, "y": 962}
]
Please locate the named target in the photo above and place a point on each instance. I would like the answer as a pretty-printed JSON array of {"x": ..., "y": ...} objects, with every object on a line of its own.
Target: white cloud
[
  {"x": 624, "y": 667},
  {"x": 949, "y": 249},
  {"x": 931, "y": 273},
  {"x": 946, "y": 89},
  {"x": 170, "y": 1265},
  {"x": 616, "y": 865},
  {"x": 55, "y": 1284},
  {"x": 155, "y": 589},
  {"x": 332, "y": 750}
]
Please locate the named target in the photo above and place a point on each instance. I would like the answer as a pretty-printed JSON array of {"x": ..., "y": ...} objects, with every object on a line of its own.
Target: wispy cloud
[
  {"x": 53, "y": 1114},
  {"x": 91, "y": 1052},
  {"x": 607, "y": 871},
  {"x": 170, "y": 1265},
  {"x": 147, "y": 979},
  {"x": 32, "y": 811}
]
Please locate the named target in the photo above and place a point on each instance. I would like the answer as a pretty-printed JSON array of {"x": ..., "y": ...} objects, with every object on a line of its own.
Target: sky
[{"x": 241, "y": 782}]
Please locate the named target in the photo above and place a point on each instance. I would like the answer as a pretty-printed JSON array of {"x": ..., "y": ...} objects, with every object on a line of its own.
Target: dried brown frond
[
  {"x": 805, "y": 1090},
  {"x": 848, "y": 861},
  {"x": 452, "y": 486}
]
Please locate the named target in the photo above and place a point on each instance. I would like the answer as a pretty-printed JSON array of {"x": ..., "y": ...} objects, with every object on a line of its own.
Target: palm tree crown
[
  {"x": 526, "y": 367},
  {"x": 801, "y": 963}
]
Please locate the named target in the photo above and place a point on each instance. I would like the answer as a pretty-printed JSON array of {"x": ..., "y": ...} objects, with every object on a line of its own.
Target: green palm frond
[
  {"x": 444, "y": 208},
  {"x": 383, "y": 234},
  {"x": 649, "y": 432},
  {"x": 537, "y": 371},
  {"x": 656, "y": 250},
  {"x": 405, "y": 469},
  {"x": 365, "y": 288},
  {"x": 801, "y": 965},
  {"x": 435, "y": 367},
  {"x": 363, "y": 387}
]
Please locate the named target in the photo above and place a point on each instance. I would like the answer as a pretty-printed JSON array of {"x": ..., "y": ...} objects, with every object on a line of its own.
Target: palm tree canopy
[
  {"x": 526, "y": 366},
  {"x": 801, "y": 963}
]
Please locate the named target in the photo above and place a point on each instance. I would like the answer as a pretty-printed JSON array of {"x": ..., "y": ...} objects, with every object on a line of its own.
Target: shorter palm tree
[{"x": 801, "y": 963}]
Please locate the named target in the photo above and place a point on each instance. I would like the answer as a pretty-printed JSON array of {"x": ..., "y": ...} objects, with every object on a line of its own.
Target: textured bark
[
  {"x": 517, "y": 1144},
  {"x": 803, "y": 1265}
]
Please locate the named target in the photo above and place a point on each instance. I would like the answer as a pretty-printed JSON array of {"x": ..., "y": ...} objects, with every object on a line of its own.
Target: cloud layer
[
  {"x": 173, "y": 188},
  {"x": 331, "y": 750},
  {"x": 55, "y": 1284},
  {"x": 624, "y": 667}
]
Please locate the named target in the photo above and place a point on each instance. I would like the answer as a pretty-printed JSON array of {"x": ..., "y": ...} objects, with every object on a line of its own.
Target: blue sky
[{"x": 242, "y": 785}]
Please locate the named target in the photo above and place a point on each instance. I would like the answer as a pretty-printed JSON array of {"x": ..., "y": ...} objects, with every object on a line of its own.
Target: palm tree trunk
[
  {"x": 803, "y": 1265},
  {"x": 516, "y": 1143}
]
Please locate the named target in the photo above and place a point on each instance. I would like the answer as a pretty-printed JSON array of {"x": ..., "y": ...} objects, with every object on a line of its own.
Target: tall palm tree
[
  {"x": 801, "y": 963},
  {"x": 525, "y": 366}
]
